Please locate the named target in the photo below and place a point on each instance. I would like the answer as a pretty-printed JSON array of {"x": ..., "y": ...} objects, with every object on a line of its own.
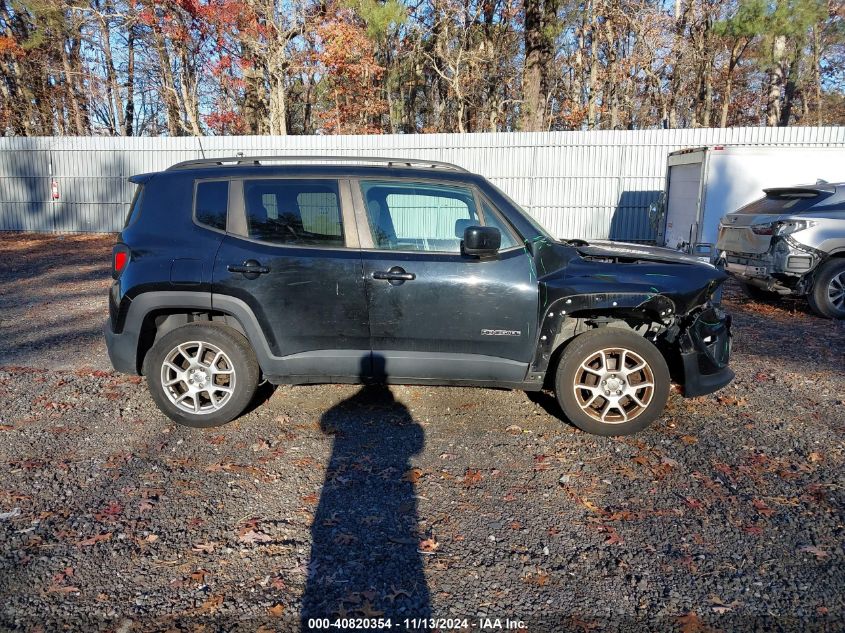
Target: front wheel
[
  {"x": 612, "y": 381},
  {"x": 202, "y": 375},
  {"x": 827, "y": 296}
]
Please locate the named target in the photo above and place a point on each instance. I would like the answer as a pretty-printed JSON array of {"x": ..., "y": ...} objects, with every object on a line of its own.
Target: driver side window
[{"x": 294, "y": 212}]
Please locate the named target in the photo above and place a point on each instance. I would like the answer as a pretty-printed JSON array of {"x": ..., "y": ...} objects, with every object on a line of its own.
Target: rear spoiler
[
  {"x": 798, "y": 192},
  {"x": 140, "y": 179}
]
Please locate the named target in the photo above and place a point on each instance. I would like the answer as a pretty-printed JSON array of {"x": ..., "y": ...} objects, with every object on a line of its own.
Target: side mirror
[{"x": 481, "y": 241}]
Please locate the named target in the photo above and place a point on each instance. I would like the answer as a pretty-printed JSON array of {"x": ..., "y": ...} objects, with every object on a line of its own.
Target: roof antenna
[{"x": 202, "y": 151}]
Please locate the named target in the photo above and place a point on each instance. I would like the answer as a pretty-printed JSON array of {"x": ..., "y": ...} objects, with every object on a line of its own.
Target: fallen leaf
[
  {"x": 97, "y": 538},
  {"x": 816, "y": 457},
  {"x": 198, "y": 576},
  {"x": 428, "y": 545},
  {"x": 690, "y": 623},
  {"x": 62, "y": 589},
  {"x": 472, "y": 477},
  {"x": 762, "y": 508},
  {"x": 368, "y": 611},
  {"x": 345, "y": 539},
  {"x": 412, "y": 475},
  {"x": 205, "y": 548},
  {"x": 818, "y": 553},
  {"x": 276, "y": 610},
  {"x": 212, "y": 604},
  {"x": 689, "y": 440},
  {"x": 252, "y": 537}
]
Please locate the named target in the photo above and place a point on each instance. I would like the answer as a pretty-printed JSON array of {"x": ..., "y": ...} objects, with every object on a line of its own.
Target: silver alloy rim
[
  {"x": 836, "y": 291},
  {"x": 614, "y": 385},
  {"x": 198, "y": 377}
]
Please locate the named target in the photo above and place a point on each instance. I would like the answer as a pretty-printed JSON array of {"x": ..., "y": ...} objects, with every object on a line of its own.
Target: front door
[
  {"x": 434, "y": 313},
  {"x": 287, "y": 257}
]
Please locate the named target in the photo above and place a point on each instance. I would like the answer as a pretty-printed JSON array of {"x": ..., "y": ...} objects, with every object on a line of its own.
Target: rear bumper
[
  {"x": 705, "y": 353},
  {"x": 782, "y": 269},
  {"x": 122, "y": 349}
]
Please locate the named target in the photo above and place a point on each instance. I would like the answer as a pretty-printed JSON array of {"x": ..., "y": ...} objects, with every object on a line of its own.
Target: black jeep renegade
[{"x": 321, "y": 270}]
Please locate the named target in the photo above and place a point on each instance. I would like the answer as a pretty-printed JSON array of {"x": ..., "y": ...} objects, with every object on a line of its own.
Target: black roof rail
[{"x": 258, "y": 160}]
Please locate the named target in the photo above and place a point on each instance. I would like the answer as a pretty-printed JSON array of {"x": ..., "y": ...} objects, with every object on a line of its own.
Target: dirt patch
[{"x": 54, "y": 299}]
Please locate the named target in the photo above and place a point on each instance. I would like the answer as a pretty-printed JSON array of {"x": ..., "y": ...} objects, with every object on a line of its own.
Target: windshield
[
  {"x": 782, "y": 203},
  {"x": 528, "y": 217}
]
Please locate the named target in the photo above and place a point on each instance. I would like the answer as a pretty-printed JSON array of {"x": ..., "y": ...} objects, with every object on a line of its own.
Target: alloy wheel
[
  {"x": 614, "y": 385},
  {"x": 198, "y": 377},
  {"x": 836, "y": 291}
]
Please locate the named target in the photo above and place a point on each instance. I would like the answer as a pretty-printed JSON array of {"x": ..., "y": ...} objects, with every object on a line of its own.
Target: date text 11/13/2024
[{"x": 418, "y": 624}]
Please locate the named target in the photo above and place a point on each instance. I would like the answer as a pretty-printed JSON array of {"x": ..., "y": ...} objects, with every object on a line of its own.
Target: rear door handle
[
  {"x": 396, "y": 275},
  {"x": 250, "y": 269}
]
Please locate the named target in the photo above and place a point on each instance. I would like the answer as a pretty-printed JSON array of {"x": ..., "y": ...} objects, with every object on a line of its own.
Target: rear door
[
  {"x": 434, "y": 313},
  {"x": 682, "y": 203},
  {"x": 291, "y": 255}
]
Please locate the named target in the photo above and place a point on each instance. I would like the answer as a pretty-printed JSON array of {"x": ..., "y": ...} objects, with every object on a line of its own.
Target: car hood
[
  {"x": 626, "y": 275},
  {"x": 626, "y": 251}
]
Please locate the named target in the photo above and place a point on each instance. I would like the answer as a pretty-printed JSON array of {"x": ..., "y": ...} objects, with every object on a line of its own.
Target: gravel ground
[{"x": 408, "y": 502}]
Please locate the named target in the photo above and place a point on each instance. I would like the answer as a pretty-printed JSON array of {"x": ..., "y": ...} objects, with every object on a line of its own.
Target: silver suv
[{"x": 791, "y": 242}]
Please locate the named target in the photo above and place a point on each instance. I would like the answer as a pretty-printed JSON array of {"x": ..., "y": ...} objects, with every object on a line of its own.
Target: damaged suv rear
[{"x": 791, "y": 242}]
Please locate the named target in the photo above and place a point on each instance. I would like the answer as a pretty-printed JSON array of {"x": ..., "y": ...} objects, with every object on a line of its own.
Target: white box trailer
[{"x": 705, "y": 183}]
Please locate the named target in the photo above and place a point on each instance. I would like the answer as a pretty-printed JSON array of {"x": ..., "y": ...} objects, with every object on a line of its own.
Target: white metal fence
[{"x": 577, "y": 184}]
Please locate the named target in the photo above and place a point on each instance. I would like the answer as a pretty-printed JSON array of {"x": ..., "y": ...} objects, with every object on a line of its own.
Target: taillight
[{"x": 120, "y": 257}]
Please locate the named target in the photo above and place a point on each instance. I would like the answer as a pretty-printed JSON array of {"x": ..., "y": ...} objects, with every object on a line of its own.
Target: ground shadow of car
[{"x": 364, "y": 559}]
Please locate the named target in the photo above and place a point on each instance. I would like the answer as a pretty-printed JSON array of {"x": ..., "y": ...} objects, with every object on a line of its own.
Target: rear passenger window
[
  {"x": 212, "y": 202},
  {"x": 294, "y": 212}
]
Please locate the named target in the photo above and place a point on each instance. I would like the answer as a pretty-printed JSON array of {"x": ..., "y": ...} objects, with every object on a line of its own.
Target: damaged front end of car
[{"x": 666, "y": 297}]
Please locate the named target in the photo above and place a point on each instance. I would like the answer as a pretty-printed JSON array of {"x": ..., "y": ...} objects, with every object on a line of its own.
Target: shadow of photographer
[{"x": 364, "y": 558}]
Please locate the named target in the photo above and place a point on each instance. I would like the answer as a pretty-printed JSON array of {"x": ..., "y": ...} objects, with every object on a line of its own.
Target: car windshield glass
[
  {"x": 528, "y": 217},
  {"x": 780, "y": 203}
]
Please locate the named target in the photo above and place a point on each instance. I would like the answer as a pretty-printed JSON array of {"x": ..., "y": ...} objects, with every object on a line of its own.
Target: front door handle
[
  {"x": 396, "y": 276},
  {"x": 250, "y": 269}
]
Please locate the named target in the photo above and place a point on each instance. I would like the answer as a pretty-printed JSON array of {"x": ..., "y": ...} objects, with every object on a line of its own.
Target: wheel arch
[
  {"x": 567, "y": 317},
  {"x": 154, "y": 314}
]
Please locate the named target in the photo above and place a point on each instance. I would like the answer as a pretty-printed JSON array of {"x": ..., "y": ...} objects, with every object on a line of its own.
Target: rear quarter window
[
  {"x": 211, "y": 203},
  {"x": 134, "y": 206}
]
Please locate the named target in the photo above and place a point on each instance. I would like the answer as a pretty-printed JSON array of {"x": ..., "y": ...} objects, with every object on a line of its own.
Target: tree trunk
[
  {"x": 171, "y": 101},
  {"x": 592, "y": 80},
  {"x": 790, "y": 89},
  {"x": 277, "y": 69},
  {"x": 532, "y": 114},
  {"x": 129, "y": 113},
  {"x": 776, "y": 76},
  {"x": 736, "y": 50}
]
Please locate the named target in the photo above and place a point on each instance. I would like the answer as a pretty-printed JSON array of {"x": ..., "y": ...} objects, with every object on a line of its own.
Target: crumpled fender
[{"x": 657, "y": 307}]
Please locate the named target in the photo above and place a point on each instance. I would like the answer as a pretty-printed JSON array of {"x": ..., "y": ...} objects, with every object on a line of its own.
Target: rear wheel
[
  {"x": 827, "y": 296},
  {"x": 612, "y": 382},
  {"x": 202, "y": 375}
]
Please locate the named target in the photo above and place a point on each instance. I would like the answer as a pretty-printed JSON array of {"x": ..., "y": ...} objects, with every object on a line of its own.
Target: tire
[
  {"x": 595, "y": 356},
  {"x": 207, "y": 392},
  {"x": 758, "y": 294},
  {"x": 827, "y": 296}
]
